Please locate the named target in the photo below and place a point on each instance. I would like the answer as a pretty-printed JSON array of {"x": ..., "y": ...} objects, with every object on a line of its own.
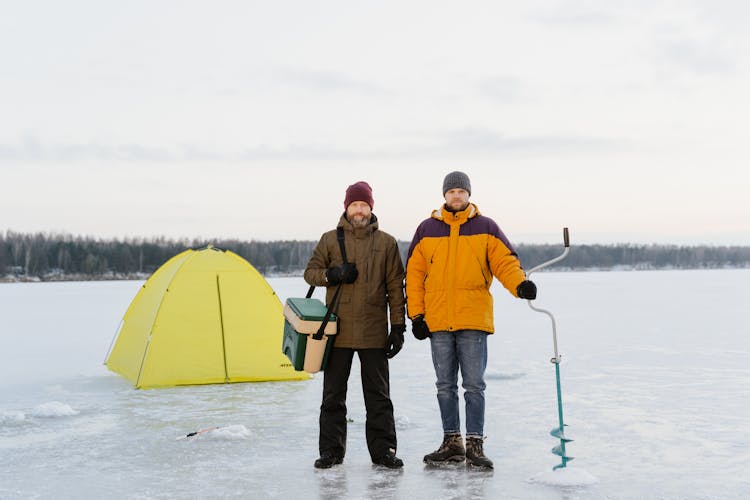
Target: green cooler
[{"x": 302, "y": 319}]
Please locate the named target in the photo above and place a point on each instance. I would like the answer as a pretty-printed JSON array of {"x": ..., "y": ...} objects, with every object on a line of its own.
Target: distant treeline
[{"x": 50, "y": 257}]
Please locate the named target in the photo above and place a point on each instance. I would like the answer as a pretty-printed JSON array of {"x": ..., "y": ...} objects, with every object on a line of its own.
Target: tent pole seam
[
  {"x": 156, "y": 316},
  {"x": 221, "y": 322},
  {"x": 111, "y": 344}
]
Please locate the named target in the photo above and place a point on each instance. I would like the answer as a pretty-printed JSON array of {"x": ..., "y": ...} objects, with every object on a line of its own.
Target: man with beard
[
  {"x": 372, "y": 275},
  {"x": 452, "y": 259}
]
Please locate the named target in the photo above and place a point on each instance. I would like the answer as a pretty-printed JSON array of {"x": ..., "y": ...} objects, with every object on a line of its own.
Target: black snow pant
[{"x": 380, "y": 428}]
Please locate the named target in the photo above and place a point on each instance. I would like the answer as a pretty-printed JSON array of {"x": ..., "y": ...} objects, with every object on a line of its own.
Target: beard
[
  {"x": 457, "y": 206},
  {"x": 359, "y": 221}
]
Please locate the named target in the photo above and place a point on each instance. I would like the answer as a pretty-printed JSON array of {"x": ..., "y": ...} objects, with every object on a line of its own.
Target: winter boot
[
  {"x": 451, "y": 450},
  {"x": 389, "y": 460},
  {"x": 328, "y": 460},
  {"x": 475, "y": 454}
]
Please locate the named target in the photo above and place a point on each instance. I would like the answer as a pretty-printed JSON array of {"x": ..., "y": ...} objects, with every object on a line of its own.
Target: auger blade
[
  {"x": 560, "y": 434},
  {"x": 558, "y": 450}
]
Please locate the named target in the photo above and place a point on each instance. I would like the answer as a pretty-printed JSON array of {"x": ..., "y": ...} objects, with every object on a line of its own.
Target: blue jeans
[{"x": 465, "y": 349}]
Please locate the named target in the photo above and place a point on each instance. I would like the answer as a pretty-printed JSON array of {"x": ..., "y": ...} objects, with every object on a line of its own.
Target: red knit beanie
[{"x": 359, "y": 191}]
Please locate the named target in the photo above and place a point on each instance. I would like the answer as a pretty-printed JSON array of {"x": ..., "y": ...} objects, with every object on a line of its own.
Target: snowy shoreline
[{"x": 58, "y": 277}]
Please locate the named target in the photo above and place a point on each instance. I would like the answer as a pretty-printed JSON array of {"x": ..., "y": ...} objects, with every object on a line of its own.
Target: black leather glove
[
  {"x": 333, "y": 275},
  {"x": 419, "y": 328},
  {"x": 526, "y": 290},
  {"x": 349, "y": 272},
  {"x": 395, "y": 340},
  {"x": 345, "y": 273}
]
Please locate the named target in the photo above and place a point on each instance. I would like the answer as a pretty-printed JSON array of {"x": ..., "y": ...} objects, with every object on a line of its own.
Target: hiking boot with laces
[
  {"x": 451, "y": 450},
  {"x": 328, "y": 460},
  {"x": 475, "y": 454},
  {"x": 389, "y": 460}
]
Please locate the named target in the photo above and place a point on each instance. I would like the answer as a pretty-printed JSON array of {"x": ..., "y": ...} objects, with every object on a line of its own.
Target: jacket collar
[{"x": 458, "y": 217}]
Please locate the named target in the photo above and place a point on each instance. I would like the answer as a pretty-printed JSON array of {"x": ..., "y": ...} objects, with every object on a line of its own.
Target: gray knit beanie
[{"x": 456, "y": 180}]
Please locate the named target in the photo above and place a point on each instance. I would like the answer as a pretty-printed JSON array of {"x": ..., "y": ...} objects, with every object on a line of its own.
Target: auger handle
[{"x": 566, "y": 240}]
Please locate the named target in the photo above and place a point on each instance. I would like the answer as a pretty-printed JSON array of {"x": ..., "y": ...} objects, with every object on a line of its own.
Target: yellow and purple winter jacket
[{"x": 450, "y": 266}]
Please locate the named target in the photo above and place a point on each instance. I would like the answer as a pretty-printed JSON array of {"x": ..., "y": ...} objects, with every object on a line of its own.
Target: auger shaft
[{"x": 561, "y": 434}]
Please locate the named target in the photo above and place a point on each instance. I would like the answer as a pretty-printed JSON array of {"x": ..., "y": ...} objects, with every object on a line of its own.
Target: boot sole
[
  {"x": 338, "y": 461},
  {"x": 474, "y": 465},
  {"x": 391, "y": 467},
  {"x": 450, "y": 460}
]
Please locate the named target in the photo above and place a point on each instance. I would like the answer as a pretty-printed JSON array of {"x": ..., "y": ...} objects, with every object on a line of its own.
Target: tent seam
[
  {"x": 221, "y": 322},
  {"x": 156, "y": 316}
]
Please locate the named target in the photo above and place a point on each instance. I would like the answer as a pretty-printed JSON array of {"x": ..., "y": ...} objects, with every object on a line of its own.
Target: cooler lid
[{"x": 309, "y": 309}]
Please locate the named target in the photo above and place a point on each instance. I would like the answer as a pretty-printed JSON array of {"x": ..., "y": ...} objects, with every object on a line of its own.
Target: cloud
[
  {"x": 328, "y": 81},
  {"x": 481, "y": 140},
  {"x": 693, "y": 38},
  {"x": 694, "y": 56},
  {"x": 33, "y": 150},
  {"x": 577, "y": 13},
  {"x": 500, "y": 88},
  {"x": 428, "y": 144}
]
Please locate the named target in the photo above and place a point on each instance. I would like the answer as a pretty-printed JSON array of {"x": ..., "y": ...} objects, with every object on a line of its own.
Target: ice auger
[{"x": 558, "y": 432}]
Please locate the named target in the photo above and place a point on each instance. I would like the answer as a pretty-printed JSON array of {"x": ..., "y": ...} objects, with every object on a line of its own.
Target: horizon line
[{"x": 193, "y": 239}]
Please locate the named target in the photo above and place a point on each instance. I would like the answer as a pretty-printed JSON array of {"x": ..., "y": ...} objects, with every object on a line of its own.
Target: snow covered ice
[
  {"x": 53, "y": 409},
  {"x": 655, "y": 380}
]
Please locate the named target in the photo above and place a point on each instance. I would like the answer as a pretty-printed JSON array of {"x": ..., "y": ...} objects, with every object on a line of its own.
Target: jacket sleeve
[
  {"x": 315, "y": 272},
  {"x": 416, "y": 268},
  {"x": 505, "y": 264},
  {"x": 395, "y": 285}
]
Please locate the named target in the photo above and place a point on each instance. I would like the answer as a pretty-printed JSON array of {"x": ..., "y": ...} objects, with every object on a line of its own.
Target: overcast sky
[{"x": 625, "y": 120}]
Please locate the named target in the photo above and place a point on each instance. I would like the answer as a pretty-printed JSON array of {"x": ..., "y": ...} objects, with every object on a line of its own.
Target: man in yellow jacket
[{"x": 452, "y": 260}]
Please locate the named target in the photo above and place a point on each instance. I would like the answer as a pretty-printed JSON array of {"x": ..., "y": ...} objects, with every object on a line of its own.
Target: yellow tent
[{"x": 204, "y": 317}]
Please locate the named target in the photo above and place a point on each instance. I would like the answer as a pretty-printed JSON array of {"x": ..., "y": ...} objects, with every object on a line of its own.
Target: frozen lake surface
[{"x": 655, "y": 381}]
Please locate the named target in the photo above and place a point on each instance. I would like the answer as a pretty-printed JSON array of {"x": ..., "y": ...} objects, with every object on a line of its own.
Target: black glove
[
  {"x": 395, "y": 340},
  {"x": 345, "y": 273},
  {"x": 526, "y": 290},
  {"x": 419, "y": 328},
  {"x": 349, "y": 272}
]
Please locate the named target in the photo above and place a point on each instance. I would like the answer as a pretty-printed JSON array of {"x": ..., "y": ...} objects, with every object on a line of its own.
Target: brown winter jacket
[{"x": 364, "y": 304}]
